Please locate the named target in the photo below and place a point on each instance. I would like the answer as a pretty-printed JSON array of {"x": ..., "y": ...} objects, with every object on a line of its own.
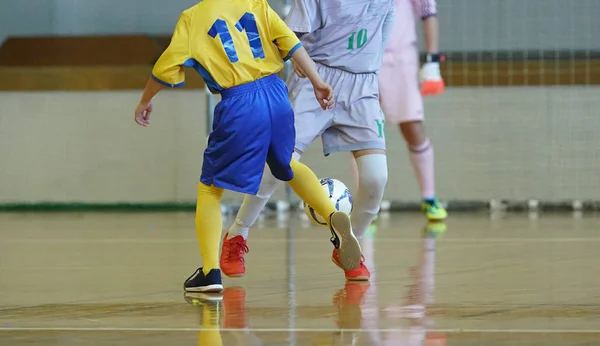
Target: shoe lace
[
  {"x": 334, "y": 239},
  {"x": 237, "y": 250}
]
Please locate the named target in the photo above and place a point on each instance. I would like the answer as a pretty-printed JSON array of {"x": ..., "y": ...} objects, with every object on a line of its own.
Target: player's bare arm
[
  {"x": 431, "y": 79},
  {"x": 297, "y": 69},
  {"x": 323, "y": 91},
  {"x": 168, "y": 69},
  {"x": 431, "y": 33},
  {"x": 144, "y": 108},
  {"x": 427, "y": 10}
]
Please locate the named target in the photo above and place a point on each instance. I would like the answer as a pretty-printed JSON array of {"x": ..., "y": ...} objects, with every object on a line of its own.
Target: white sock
[
  {"x": 247, "y": 216},
  {"x": 366, "y": 245},
  {"x": 253, "y": 205},
  {"x": 372, "y": 177}
]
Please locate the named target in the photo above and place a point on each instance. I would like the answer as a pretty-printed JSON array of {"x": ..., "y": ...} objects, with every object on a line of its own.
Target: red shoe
[
  {"x": 361, "y": 273},
  {"x": 234, "y": 304},
  {"x": 232, "y": 256}
]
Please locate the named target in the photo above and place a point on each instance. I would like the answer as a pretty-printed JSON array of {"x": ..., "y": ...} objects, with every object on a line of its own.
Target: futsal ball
[{"x": 339, "y": 195}]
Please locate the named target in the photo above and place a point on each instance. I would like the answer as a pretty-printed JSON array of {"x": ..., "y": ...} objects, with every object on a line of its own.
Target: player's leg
[
  {"x": 305, "y": 183},
  {"x": 235, "y": 246},
  {"x": 422, "y": 160},
  {"x": 309, "y": 123},
  {"x": 372, "y": 178},
  {"x": 359, "y": 128},
  {"x": 421, "y": 155},
  {"x": 402, "y": 104},
  {"x": 208, "y": 230},
  {"x": 235, "y": 145},
  {"x": 252, "y": 206}
]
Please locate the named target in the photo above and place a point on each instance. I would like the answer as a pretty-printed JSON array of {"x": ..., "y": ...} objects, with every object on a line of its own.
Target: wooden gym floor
[{"x": 116, "y": 279}]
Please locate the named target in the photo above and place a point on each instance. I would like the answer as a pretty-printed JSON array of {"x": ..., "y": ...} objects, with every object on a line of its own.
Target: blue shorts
[{"x": 253, "y": 124}]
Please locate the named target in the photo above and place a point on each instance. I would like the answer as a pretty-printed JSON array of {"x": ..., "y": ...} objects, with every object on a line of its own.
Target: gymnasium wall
[
  {"x": 468, "y": 25},
  {"x": 518, "y": 120},
  {"x": 512, "y": 143}
]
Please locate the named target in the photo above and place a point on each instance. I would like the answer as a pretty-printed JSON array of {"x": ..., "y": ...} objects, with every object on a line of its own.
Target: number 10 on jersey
[{"x": 357, "y": 39}]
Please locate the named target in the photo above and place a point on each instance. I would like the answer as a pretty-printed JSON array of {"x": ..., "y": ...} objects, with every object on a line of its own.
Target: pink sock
[{"x": 421, "y": 158}]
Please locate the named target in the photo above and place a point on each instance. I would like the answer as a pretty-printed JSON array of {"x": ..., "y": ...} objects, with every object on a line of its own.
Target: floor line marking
[
  {"x": 298, "y": 240},
  {"x": 316, "y": 330}
]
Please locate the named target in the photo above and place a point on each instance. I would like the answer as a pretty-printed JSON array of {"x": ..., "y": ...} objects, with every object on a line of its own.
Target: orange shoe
[
  {"x": 232, "y": 256},
  {"x": 361, "y": 273},
  {"x": 234, "y": 306}
]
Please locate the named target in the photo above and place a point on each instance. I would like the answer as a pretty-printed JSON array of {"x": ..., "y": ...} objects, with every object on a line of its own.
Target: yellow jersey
[{"x": 228, "y": 42}]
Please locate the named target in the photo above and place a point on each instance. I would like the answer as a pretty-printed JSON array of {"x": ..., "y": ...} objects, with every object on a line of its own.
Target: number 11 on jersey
[{"x": 248, "y": 23}]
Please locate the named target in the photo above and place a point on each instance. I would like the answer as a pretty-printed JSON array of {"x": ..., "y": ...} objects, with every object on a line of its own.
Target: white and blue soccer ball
[{"x": 339, "y": 195}]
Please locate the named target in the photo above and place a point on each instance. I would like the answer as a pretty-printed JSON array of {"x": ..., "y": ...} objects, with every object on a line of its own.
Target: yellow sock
[
  {"x": 307, "y": 186},
  {"x": 209, "y": 224},
  {"x": 210, "y": 321}
]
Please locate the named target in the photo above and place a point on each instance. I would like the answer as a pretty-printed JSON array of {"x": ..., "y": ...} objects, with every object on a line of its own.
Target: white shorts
[
  {"x": 356, "y": 122},
  {"x": 399, "y": 90}
]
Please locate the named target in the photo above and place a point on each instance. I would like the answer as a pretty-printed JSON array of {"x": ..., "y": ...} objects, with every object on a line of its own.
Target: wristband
[{"x": 430, "y": 57}]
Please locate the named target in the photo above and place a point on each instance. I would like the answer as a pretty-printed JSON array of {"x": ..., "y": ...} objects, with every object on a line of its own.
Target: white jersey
[{"x": 347, "y": 34}]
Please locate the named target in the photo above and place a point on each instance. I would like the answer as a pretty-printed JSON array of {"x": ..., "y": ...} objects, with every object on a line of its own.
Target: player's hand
[
  {"x": 142, "y": 113},
  {"x": 298, "y": 70},
  {"x": 324, "y": 94},
  {"x": 431, "y": 79}
]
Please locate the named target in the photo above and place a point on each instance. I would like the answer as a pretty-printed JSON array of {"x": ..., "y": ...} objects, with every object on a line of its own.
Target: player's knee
[
  {"x": 267, "y": 185},
  {"x": 372, "y": 174},
  {"x": 413, "y": 132},
  {"x": 374, "y": 182}
]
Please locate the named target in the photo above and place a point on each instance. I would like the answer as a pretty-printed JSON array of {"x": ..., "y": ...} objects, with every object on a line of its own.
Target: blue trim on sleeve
[
  {"x": 292, "y": 51},
  {"x": 168, "y": 84},
  {"x": 212, "y": 85}
]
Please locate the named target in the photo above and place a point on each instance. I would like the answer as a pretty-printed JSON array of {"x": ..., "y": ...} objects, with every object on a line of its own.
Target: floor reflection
[
  {"x": 358, "y": 313},
  {"x": 419, "y": 296}
]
